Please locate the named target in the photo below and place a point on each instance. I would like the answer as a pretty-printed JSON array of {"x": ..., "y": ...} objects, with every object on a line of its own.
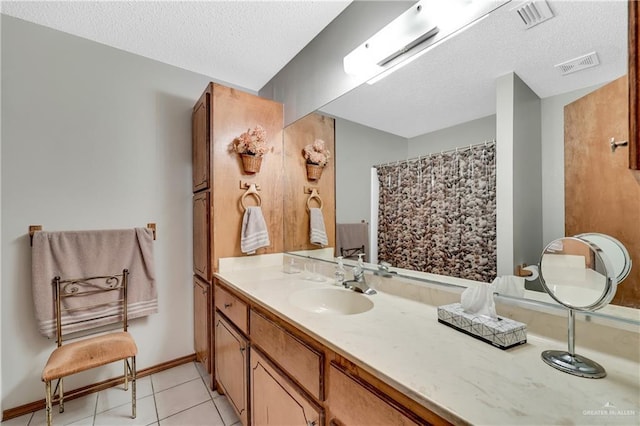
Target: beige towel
[
  {"x": 352, "y": 235},
  {"x": 317, "y": 233},
  {"x": 254, "y": 231},
  {"x": 81, "y": 254}
]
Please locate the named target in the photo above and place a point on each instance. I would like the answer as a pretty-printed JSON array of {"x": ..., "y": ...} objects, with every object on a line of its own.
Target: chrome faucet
[
  {"x": 383, "y": 270},
  {"x": 358, "y": 283}
]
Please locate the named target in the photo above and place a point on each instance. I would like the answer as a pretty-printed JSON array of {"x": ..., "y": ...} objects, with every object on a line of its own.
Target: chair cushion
[{"x": 88, "y": 353}]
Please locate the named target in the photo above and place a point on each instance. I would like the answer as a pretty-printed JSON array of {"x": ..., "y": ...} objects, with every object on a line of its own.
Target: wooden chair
[{"x": 87, "y": 352}]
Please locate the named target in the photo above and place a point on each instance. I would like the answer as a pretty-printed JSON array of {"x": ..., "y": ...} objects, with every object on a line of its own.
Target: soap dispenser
[
  {"x": 340, "y": 273},
  {"x": 360, "y": 261}
]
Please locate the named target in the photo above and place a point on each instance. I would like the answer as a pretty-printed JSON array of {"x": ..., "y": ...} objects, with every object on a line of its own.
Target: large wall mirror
[{"x": 446, "y": 100}]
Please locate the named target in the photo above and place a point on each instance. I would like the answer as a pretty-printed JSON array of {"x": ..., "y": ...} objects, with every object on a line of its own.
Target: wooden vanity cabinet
[
  {"x": 293, "y": 379},
  {"x": 231, "y": 361},
  {"x": 202, "y": 320}
]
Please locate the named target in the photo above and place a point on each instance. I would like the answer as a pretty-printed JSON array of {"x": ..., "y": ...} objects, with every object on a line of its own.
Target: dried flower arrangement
[
  {"x": 252, "y": 142},
  {"x": 316, "y": 153}
]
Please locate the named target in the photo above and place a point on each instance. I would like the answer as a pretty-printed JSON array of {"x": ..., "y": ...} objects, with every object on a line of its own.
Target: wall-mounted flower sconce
[
  {"x": 317, "y": 157},
  {"x": 251, "y": 145}
]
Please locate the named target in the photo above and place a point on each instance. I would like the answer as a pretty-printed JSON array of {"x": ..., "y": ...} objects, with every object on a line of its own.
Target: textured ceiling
[
  {"x": 240, "y": 42},
  {"x": 247, "y": 43},
  {"x": 456, "y": 81}
]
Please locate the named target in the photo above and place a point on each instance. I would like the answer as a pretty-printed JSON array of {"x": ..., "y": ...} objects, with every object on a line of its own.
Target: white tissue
[
  {"x": 509, "y": 285},
  {"x": 478, "y": 300}
]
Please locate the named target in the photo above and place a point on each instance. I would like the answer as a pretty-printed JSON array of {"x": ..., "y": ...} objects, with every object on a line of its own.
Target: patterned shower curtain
[{"x": 438, "y": 213}]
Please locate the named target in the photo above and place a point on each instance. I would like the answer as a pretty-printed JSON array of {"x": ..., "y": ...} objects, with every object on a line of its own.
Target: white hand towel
[
  {"x": 318, "y": 234},
  {"x": 254, "y": 231}
]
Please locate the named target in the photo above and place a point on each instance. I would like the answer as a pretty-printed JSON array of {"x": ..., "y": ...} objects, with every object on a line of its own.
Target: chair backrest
[
  {"x": 84, "y": 303},
  {"x": 351, "y": 253}
]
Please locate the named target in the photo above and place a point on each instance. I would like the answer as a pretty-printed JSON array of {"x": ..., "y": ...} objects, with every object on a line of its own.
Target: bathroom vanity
[{"x": 291, "y": 350}]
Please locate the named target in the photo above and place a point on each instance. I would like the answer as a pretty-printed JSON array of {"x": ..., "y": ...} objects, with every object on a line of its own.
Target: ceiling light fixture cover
[
  {"x": 425, "y": 25},
  {"x": 400, "y": 36}
]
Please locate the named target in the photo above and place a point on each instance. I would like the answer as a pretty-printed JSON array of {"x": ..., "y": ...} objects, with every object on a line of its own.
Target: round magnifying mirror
[{"x": 577, "y": 274}]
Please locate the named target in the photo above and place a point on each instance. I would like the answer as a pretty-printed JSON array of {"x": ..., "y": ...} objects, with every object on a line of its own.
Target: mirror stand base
[{"x": 574, "y": 364}]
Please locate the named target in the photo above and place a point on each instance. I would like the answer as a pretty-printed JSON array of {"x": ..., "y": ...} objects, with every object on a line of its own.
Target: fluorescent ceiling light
[
  {"x": 425, "y": 25},
  {"x": 404, "y": 33}
]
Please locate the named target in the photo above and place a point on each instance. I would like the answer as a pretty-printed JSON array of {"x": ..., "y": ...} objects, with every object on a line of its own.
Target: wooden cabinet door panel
[
  {"x": 201, "y": 235},
  {"x": 231, "y": 365},
  {"x": 202, "y": 321},
  {"x": 201, "y": 145},
  {"x": 276, "y": 401}
]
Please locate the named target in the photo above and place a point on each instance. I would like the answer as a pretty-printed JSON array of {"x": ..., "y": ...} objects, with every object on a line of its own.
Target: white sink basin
[{"x": 331, "y": 301}]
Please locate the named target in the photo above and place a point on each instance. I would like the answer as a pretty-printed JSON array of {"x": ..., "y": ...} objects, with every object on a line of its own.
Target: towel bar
[{"x": 35, "y": 228}]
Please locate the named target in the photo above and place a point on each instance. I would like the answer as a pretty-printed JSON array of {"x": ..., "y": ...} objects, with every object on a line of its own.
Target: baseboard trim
[{"x": 95, "y": 387}]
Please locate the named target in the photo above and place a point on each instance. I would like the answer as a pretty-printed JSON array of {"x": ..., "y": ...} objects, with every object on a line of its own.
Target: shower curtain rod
[{"x": 418, "y": 158}]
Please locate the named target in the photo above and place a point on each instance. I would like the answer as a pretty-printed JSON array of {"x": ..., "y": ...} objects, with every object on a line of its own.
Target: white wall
[
  {"x": 358, "y": 148},
  {"x": 92, "y": 138},
  {"x": 469, "y": 133}
]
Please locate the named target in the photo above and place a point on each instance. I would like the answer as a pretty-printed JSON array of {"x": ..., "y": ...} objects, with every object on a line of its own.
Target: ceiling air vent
[
  {"x": 577, "y": 64},
  {"x": 534, "y": 12}
]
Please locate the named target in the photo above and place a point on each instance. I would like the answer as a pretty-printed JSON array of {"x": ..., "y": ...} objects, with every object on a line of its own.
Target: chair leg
[
  {"x": 61, "y": 394},
  {"x": 126, "y": 374},
  {"x": 133, "y": 387},
  {"x": 47, "y": 387}
]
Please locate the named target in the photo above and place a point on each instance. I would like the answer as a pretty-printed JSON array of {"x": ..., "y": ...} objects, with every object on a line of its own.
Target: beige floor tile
[
  {"x": 114, "y": 397},
  {"x": 18, "y": 421},
  {"x": 227, "y": 412},
  {"x": 202, "y": 370},
  {"x": 203, "y": 414},
  {"x": 176, "y": 376},
  {"x": 87, "y": 421},
  {"x": 74, "y": 410},
  {"x": 181, "y": 397},
  {"x": 145, "y": 414}
]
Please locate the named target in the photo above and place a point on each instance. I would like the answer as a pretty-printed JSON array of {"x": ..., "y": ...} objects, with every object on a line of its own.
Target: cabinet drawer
[
  {"x": 301, "y": 361},
  {"x": 353, "y": 401},
  {"x": 232, "y": 307}
]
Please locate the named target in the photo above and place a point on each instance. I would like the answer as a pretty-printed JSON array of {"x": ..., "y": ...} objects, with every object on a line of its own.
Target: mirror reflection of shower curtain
[{"x": 438, "y": 213}]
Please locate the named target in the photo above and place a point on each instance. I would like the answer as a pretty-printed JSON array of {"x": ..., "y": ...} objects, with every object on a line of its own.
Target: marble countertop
[{"x": 458, "y": 377}]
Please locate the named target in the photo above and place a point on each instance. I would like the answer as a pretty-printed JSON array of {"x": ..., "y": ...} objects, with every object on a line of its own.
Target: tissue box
[{"x": 502, "y": 332}]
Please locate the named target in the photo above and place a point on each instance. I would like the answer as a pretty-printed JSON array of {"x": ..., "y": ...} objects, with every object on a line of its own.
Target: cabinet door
[
  {"x": 201, "y": 235},
  {"x": 201, "y": 143},
  {"x": 231, "y": 365},
  {"x": 276, "y": 401},
  {"x": 202, "y": 320}
]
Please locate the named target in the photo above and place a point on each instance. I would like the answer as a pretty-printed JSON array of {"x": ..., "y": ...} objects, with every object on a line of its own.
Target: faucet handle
[{"x": 384, "y": 266}]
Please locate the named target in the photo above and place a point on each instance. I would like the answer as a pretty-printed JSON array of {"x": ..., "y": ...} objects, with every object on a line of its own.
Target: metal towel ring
[
  {"x": 314, "y": 194},
  {"x": 251, "y": 191}
]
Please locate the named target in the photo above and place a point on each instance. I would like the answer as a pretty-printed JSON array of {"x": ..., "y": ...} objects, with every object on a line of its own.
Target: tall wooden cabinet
[{"x": 218, "y": 117}]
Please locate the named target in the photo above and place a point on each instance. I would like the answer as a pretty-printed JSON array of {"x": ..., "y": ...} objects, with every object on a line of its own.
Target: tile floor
[{"x": 179, "y": 396}]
